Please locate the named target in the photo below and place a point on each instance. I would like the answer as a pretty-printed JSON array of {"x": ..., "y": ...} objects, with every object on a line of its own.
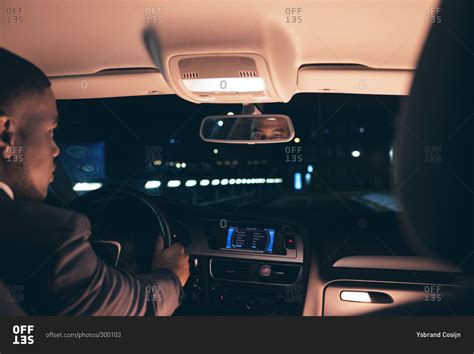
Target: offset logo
[{"x": 23, "y": 334}]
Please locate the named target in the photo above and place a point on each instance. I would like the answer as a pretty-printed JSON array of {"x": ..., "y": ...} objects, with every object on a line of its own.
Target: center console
[{"x": 243, "y": 267}]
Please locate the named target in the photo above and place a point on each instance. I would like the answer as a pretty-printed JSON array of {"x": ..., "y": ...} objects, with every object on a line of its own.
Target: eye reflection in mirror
[
  {"x": 247, "y": 129},
  {"x": 269, "y": 129}
]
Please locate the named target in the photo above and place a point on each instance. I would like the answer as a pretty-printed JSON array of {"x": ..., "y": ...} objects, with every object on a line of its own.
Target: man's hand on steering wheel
[{"x": 173, "y": 258}]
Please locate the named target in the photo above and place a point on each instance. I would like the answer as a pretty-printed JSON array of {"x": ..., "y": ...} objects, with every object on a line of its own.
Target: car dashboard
[
  {"x": 243, "y": 266},
  {"x": 292, "y": 262}
]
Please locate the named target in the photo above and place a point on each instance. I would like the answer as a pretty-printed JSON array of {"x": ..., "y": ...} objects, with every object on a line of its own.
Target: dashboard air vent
[
  {"x": 230, "y": 270},
  {"x": 278, "y": 274}
]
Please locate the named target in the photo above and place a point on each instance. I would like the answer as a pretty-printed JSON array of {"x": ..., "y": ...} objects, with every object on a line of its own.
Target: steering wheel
[{"x": 125, "y": 226}]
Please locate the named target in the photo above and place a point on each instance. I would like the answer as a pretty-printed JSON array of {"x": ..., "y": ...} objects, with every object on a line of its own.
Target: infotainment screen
[{"x": 250, "y": 239}]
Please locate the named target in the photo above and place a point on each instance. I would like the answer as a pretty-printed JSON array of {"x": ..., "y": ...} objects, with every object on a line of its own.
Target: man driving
[{"x": 46, "y": 250}]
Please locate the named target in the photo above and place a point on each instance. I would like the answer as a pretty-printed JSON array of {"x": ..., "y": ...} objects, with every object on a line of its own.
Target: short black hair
[{"x": 18, "y": 76}]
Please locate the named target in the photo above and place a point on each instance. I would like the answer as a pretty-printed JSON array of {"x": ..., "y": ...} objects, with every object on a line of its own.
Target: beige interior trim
[
  {"x": 310, "y": 79},
  {"x": 117, "y": 84},
  {"x": 395, "y": 263},
  {"x": 314, "y": 78}
]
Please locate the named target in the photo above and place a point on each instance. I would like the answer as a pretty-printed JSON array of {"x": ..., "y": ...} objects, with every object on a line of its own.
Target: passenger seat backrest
[{"x": 433, "y": 151}]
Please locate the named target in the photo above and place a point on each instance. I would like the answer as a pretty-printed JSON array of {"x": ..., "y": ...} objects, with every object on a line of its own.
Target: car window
[{"x": 341, "y": 153}]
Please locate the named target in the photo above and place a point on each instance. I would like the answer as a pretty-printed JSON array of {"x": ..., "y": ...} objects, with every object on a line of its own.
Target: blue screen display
[{"x": 250, "y": 239}]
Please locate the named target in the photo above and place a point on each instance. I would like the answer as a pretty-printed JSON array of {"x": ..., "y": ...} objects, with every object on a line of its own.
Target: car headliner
[{"x": 95, "y": 48}]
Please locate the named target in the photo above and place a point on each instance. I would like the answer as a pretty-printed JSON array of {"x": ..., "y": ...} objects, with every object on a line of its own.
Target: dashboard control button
[
  {"x": 265, "y": 270},
  {"x": 290, "y": 242}
]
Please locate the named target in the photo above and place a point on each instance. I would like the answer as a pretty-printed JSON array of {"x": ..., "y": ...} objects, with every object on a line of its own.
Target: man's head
[
  {"x": 28, "y": 117},
  {"x": 269, "y": 129}
]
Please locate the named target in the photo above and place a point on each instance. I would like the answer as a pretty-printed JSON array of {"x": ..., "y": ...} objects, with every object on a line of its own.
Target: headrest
[{"x": 433, "y": 152}]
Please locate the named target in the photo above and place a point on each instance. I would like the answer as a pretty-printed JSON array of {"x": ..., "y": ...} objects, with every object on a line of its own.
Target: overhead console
[{"x": 222, "y": 78}]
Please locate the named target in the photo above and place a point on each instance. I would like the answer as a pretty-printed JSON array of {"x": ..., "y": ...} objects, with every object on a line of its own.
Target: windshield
[{"x": 340, "y": 155}]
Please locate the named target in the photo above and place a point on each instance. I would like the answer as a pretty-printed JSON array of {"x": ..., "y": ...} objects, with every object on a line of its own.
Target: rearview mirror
[{"x": 247, "y": 129}]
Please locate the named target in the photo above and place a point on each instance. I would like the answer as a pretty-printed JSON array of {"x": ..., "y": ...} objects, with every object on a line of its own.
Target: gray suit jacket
[{"x": 47, "y": 259}]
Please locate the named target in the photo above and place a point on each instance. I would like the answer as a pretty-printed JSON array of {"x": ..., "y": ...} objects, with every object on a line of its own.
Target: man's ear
[{"x": 7, "y": 136}]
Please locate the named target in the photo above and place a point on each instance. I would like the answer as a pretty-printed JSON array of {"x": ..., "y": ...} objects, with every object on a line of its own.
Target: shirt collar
[{"x": 7, "y": 190}]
